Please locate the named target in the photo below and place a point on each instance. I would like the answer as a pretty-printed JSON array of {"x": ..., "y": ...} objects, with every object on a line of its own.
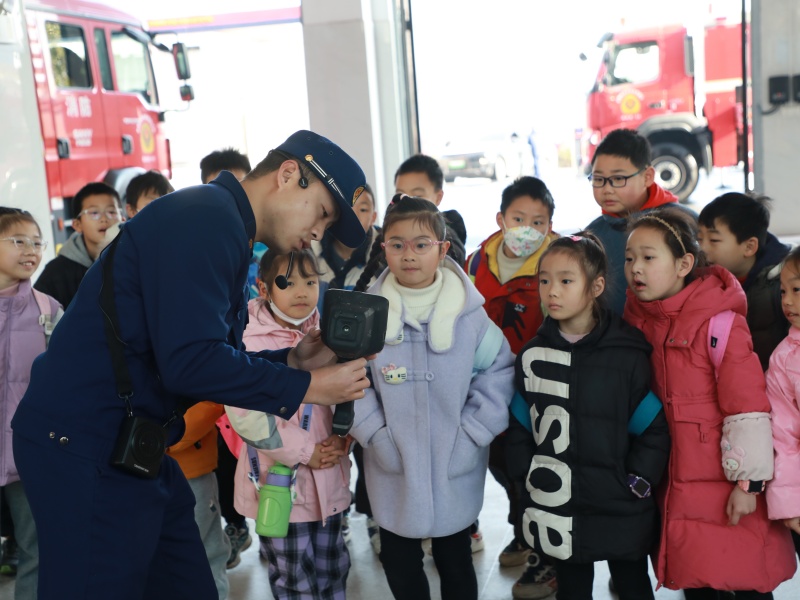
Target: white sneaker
[{"x": 477, "y": 541}]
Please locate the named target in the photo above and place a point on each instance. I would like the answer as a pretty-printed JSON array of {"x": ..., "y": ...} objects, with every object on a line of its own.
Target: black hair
[
  {"x": 12, "y": 216},
  {"x": 96, "y": 188},
  {"x": 745, "y": 215},
  {"x": 226, "y": 159},
  {"x": 151, "y": 181},
  {"x": 304, "y": 261},
  {"x": 679, "y": 229},
  {"x": 625, "y": 143},
  {"x": 404, "y": 207},
  {"x": 528, "y": 186},
  {"x": 587, "y": 250},
  {"x": 422, "y": 163},
  {"x": 793, "y": 258}
]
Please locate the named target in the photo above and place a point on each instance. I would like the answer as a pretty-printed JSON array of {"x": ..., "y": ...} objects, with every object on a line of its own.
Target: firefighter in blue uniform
[{"x": 179, "y": 287}]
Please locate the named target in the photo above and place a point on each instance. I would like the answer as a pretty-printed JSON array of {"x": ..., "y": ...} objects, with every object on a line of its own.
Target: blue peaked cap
[{"x": 341, "y": 175}]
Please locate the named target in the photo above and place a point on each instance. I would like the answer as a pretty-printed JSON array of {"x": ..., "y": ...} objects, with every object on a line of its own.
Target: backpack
[
  {"x": 719, "y": 330},
  {"x": 46, "y": 317}
]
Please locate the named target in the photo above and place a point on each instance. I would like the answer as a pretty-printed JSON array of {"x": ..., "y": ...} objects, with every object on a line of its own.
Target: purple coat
[
  {"x": 21, "y": 340},
  {"x": 426, "y": 436}
]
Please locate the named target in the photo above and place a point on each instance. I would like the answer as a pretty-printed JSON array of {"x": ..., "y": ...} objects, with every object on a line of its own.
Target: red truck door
[
  {"x": 643, "y": 75},
  {"x": 77, "y": 115}
]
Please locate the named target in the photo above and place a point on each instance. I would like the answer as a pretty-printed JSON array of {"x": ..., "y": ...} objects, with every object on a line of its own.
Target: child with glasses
[
  {"x": 427, "y": 423},
  {"x": 623, "y": 184},
  {"x": 26, "y": 320},
  {"x": 96, "y": 207}
]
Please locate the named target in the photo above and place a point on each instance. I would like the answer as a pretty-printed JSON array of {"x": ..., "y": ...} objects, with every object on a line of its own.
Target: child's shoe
[
  {"x": 514, "y": 555},
  {"x": 347, "y": 533},
  {"x": 374, "y": 535},
  {"x": 538, "y": 580},
  {"x": 476, "y": 541},
  {"x": 240, "y": 541},
  {"x": 10, "y": 559}
]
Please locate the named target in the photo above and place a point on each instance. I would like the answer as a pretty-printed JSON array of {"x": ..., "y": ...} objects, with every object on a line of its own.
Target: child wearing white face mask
[
  {"x": 312, "y": 560},
  {"x": 505, "y": 271}
]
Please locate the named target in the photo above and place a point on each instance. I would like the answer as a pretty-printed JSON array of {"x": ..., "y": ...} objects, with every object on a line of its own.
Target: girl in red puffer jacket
[{"x": 715, "y": 531}]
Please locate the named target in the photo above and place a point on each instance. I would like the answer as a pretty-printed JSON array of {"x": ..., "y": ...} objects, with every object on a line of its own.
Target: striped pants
[{"x": 310, "y": 563}]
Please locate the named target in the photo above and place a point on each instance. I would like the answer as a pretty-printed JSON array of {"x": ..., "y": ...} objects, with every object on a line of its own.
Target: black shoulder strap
[{"x": 108, "y": 307}]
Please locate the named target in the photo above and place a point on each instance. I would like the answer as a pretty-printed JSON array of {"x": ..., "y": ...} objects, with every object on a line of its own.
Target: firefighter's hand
[
  {"x": 338, "y": 383},
  {"x": 311, "y": 353},
  {"x": 740, "y": 504}
]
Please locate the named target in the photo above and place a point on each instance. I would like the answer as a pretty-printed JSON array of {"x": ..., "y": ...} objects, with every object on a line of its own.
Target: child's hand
[
  {"x": 793, "y": 524},
  {"x": 334, "y": 448},
  {"x": 740, "y": 503},
  {"x": 316, "y": 460}
]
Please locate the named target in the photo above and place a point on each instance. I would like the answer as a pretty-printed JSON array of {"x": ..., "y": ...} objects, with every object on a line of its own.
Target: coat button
[
  {"x": 282, "y": 410},
  {"x": 63, "y": 440},
  {"x": 671, "y": 340},
  {"x": 429, "y": 376},
  {"x": 52, "y": 435},
  {"x": 685, "y": 342}
]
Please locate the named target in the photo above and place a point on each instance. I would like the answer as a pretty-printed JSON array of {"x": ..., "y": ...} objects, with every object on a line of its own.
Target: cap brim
[{"x": 347, "y": 228}]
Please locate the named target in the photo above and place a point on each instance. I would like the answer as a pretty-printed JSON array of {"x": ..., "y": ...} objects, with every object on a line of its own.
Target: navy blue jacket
[{"x": 180, "y": 274}]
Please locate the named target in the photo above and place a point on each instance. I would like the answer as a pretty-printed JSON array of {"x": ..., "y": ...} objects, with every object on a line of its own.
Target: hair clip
[{"x": 575, "y": 238}]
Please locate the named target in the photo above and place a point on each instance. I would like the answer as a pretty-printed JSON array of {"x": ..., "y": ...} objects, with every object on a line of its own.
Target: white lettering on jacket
[{"x": 544, "y": 521}]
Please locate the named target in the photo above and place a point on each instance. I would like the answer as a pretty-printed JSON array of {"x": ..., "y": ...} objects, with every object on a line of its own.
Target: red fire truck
[
  {"x": 683, "y": 94},
  {"x": 83, "y": 73}
]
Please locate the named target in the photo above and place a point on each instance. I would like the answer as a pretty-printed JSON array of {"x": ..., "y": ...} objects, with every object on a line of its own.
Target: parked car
[{"x": 497, "y": 156}]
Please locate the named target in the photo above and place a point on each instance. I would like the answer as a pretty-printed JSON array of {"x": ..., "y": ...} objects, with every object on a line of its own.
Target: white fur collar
[{"x": 441, "y": 324}]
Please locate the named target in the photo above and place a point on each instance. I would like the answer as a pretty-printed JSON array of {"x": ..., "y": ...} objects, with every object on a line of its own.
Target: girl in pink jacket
[
  {"x": 312, "y": 561},
  {"x": 783, "y": 391},
  {"x": 715, "y": 532}
]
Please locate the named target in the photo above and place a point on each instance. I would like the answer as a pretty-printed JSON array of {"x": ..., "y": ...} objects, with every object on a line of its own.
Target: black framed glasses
[{"x": 615, "y": 181}]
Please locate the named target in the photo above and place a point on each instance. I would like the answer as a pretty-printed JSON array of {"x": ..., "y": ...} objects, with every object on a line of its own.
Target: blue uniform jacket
[{"x": 180, "y": 277}]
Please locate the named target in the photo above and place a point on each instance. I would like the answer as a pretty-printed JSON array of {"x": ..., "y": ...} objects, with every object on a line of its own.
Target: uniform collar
[{"x": 230, "y": 183}]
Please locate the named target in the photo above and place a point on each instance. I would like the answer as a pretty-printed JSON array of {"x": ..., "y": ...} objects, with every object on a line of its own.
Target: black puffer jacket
[
  {"x": 765, "y": 317},
  {"x": 578, "y": 506}
]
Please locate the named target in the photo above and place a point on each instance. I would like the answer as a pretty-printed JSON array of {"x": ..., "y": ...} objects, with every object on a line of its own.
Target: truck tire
[{"x": 676, "y": 170}]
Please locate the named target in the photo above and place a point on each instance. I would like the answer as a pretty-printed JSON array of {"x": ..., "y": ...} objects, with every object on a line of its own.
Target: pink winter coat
[
  {"x": 320, "y": 492},
  {"x": 783, "y": 391},
  {"x": 698, "y": 548}
]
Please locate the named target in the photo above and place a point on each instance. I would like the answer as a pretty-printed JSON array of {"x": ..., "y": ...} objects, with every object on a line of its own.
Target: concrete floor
[{"x": 367, "y": 582}]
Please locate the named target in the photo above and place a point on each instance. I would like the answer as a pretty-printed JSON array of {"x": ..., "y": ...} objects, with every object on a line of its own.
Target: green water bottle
[{"x": 275, "y": 503}]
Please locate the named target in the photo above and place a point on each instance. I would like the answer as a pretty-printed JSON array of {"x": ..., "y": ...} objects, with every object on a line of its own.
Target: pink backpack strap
[
  {"x": 719, "y": 330},
  {"x": 43, "y": 300}
]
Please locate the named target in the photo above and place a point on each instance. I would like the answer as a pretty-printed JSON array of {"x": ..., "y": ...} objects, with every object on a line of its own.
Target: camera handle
[{"x": 343, "y": 415}]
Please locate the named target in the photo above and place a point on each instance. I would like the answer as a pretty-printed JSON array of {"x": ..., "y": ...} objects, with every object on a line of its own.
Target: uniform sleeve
[
  {"x": 187, "y": 277},
  {"x": 741, "y": 392},
  {"x": 648, "y": 452},
  {"x": 783, "y": 391}
]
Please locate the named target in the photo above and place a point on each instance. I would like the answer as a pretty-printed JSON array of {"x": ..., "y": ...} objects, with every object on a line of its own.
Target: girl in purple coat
[
  {"x": 427, "y": 423},
  {"x": 26, "y": 320}
]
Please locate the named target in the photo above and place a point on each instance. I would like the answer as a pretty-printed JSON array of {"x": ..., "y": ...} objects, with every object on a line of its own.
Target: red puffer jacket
[{"x": 698, "y": 548}]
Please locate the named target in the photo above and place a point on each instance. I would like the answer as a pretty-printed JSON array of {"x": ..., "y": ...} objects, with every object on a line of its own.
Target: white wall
[{"x": 776, "y": 51}]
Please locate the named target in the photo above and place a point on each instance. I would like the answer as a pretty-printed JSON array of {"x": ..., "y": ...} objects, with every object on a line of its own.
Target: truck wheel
[{"x": 676, "y": 170}]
